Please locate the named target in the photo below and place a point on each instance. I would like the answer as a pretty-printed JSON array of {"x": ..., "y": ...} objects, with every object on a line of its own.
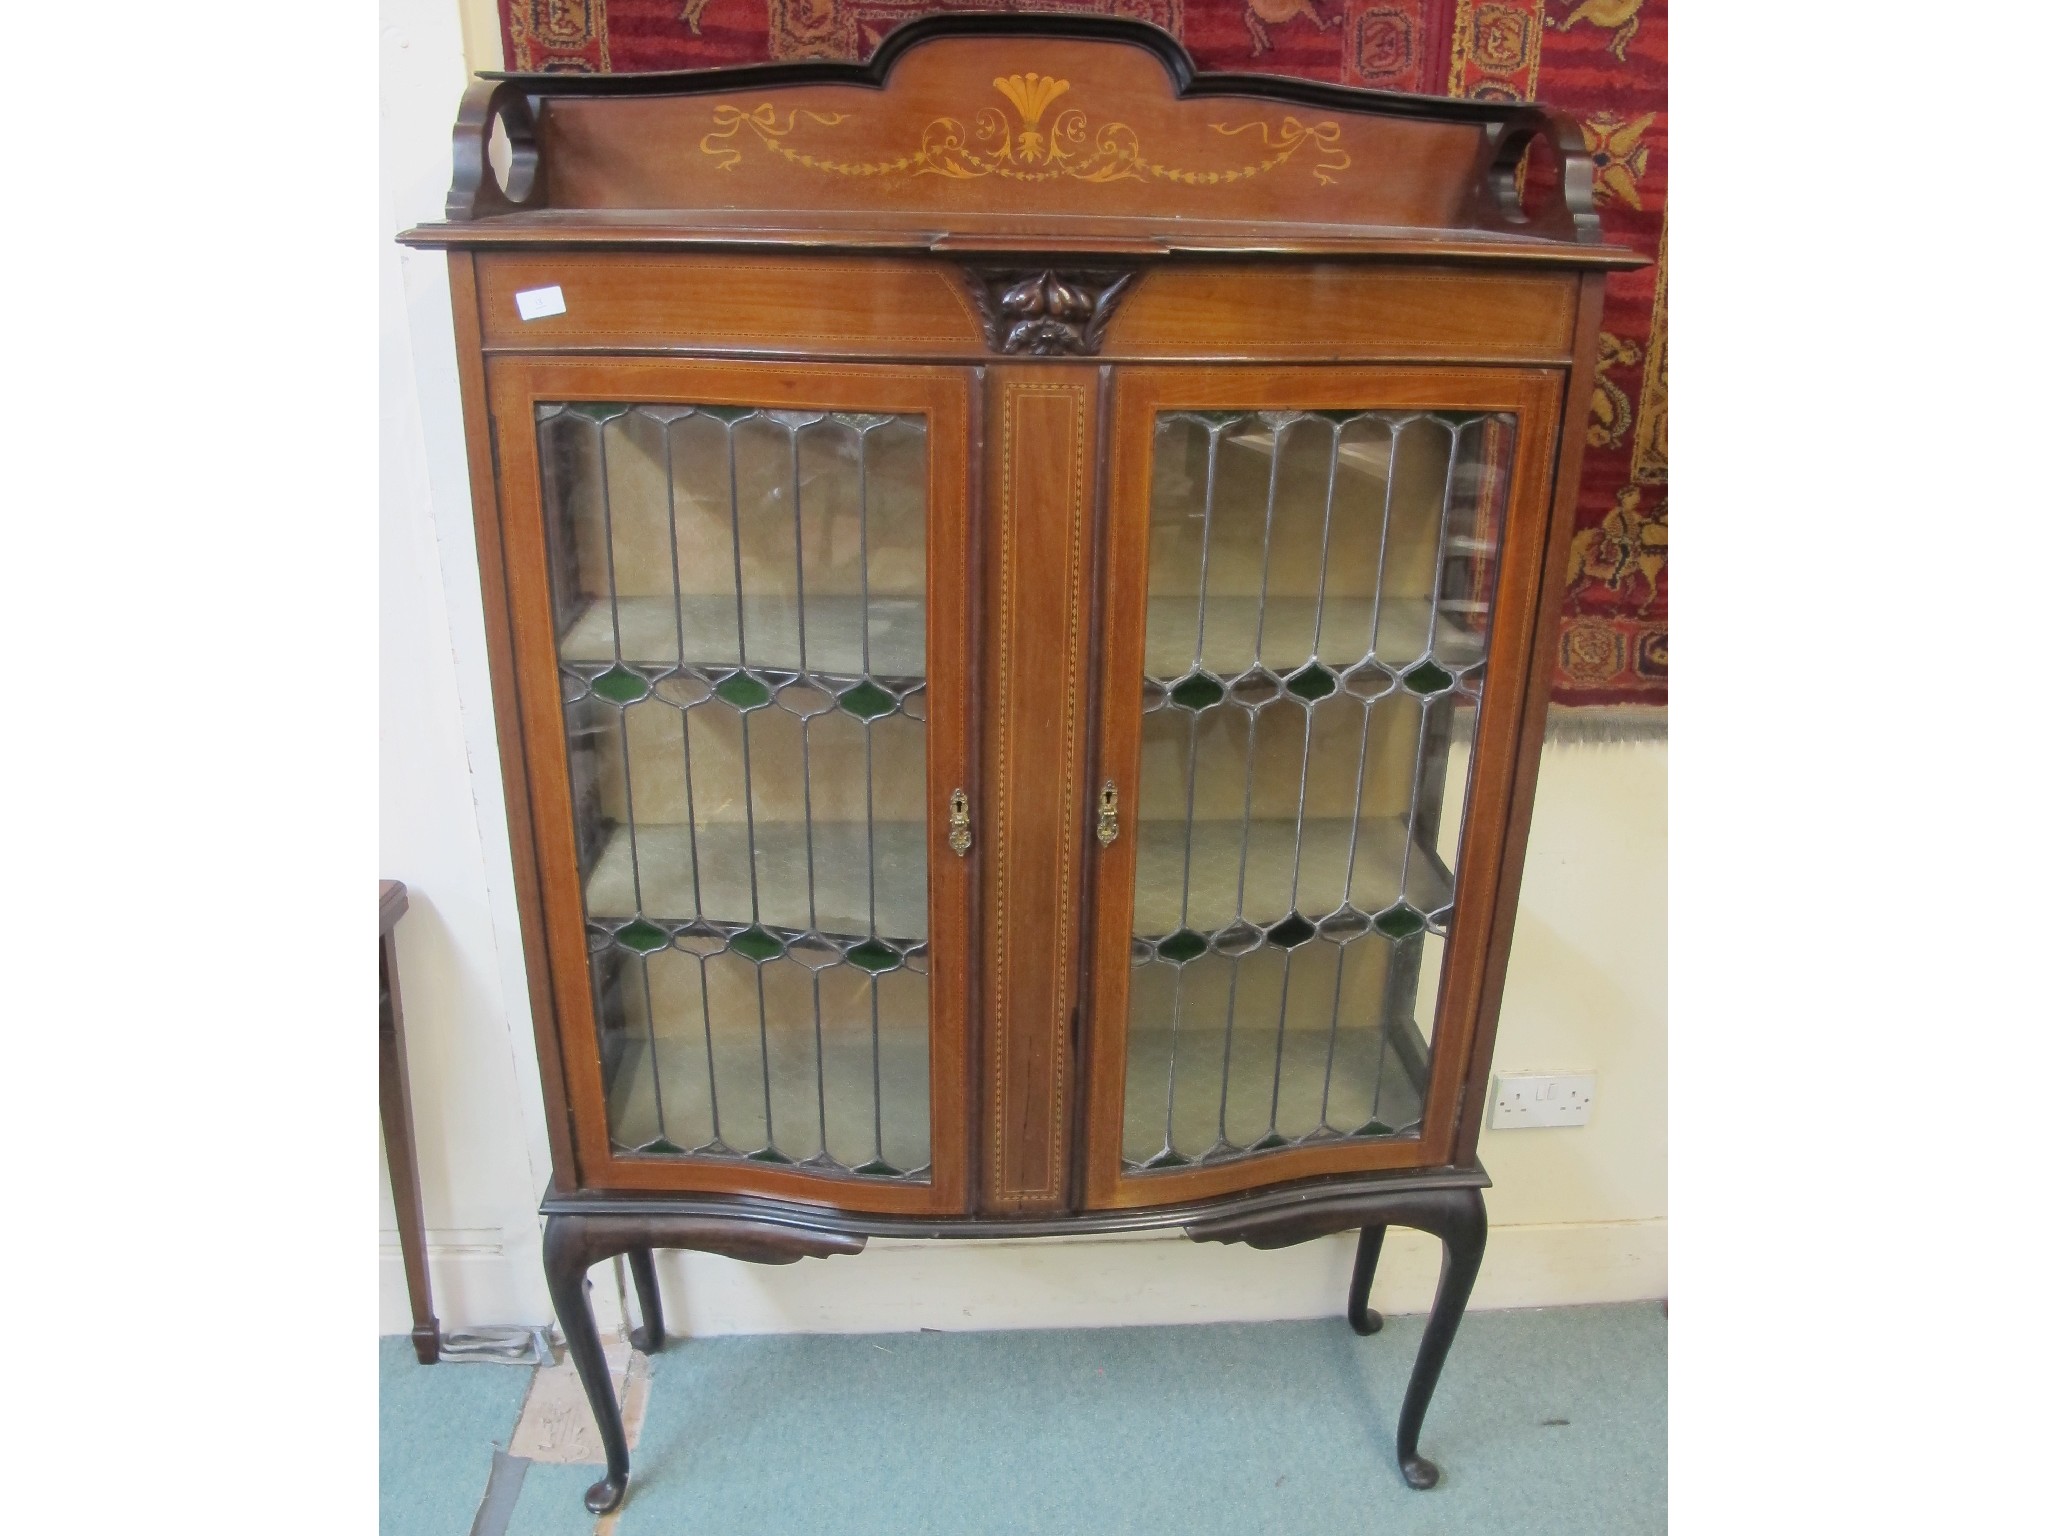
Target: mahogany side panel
[
  {"x": 1521, "y": 797},
  {"x": 1512, "y": 669},
  {"x": 711, "y": 302},
  {"x": 1533, "y": 395},
  {"x": 1041, "y": 473},
  {"x": 505, "y": 710}
]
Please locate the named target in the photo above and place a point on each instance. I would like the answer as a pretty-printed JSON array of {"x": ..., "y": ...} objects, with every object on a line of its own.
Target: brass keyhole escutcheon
[
  {"x": 1105, "y": 814},
  {"x": 961, "y": 838}
]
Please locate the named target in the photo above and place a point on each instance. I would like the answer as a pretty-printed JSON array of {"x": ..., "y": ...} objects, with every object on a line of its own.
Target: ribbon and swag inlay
[{"x": 1023, "y": 148}]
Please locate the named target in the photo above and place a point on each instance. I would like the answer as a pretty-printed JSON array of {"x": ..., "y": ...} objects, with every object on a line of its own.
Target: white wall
[
  {"x": 1578, "y": 1215},
  {"x": 476, "y": 1091}
]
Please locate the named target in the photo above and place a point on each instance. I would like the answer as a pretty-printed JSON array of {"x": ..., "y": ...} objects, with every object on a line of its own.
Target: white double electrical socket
[{"x": 1526, "y": 1100}]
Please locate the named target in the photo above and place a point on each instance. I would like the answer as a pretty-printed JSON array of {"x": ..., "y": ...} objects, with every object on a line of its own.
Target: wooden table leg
[
  {"x": 1457, "y": 1214},
  {"x": 572, "y": 1243},
  {"x": 1364, "y": 1320},
  {"x": 395, "y": 1103},
  {"x": 648, "y": 1337},
  {"x": 567, "y": 1252},
  {"x": 1461, "y": 1224}
]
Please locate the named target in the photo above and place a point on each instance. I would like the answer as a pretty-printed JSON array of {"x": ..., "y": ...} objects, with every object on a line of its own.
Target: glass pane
[
  {"x": 740, "y": 617},
  {"x": 1315, "y": 640}
]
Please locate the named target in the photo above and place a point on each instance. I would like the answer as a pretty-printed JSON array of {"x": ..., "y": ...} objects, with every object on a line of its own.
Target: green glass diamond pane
[
  {"x": 756, "y": 944},
  {"x": 1400, "y": 922},
  {"x": 1182, "y": 946},
  {"x": 619, "y": 686},
  {"x": 867, "y": 701},
  {"x": 1374, "y": 1128},
  {"x": 766, "y": 1155},
  {"x": 661, "y": 1146},
  {"x": 879, "y": 1170},
  {"x": 1269, "y": 1143},
  {"x": 1312, "y": 682},
  {"x": 601, "y": 411},
  {"x": 1167, "y": 1159},
  {"x": 874, "y": 956},
  {"x": 643, "y": 936},
  {"x": 743, "y": 690},
  {"x": 1427, "y": 678},
  {"x": 1197, "y": 692},
  {"x": 1292, "y": 930}
]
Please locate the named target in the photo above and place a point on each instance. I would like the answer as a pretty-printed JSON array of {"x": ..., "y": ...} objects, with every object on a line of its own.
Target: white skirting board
[{"x": 1141, "y": 1279}]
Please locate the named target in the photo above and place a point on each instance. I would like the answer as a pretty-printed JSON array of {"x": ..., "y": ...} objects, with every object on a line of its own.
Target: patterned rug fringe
[{"x": 1610, "y": 725}]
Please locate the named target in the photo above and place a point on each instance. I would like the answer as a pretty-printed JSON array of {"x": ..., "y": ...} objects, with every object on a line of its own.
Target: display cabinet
[{"x": 1020, "y": 582}]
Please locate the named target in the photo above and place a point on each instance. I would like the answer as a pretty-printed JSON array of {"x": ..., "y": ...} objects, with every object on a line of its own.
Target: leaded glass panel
[
  {"x": 1315, "y": 642},
  {"x": 739, "y": 601}
]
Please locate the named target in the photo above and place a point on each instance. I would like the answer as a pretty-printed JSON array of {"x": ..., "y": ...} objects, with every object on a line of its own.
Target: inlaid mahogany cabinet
[{"x": 1021, "y": 580}]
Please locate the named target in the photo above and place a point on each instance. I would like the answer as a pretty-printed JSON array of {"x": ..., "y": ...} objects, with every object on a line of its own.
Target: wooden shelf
[
  {"x": 835, "y": 859},
  {"x": 896, "y": 633},
  {"x": 1370, "y": 456},
  {"x": 1267, "y": 848},
  {"x": 1232, "y": 639},
  {"x": 832, "y": 633}
]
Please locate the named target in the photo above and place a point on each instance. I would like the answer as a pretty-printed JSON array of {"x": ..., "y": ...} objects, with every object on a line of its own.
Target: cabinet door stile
[
  {"x": 741, "y": 608},
  {"x": 951, "y": 655},
  {"x": 1088, "y": 1111},
  {"x": 1303, "y": 774},
  {"x": 1564, "y": 490},
  {"x": 1125, "y": 551}
]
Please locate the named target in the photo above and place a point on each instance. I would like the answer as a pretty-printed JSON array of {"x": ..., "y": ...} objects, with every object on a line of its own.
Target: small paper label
[{"x": 539, "y": 303}]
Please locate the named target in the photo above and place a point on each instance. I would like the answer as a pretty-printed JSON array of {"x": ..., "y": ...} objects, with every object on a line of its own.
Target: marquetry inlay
[{"x": 1017, "y": 143}]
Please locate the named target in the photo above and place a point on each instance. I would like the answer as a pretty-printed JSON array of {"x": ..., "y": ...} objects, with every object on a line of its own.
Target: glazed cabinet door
[
  {"x": 1321, "y": 590},
  {"x": 740, "y": 599}
]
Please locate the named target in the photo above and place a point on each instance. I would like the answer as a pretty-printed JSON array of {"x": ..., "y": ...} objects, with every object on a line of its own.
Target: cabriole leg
[
  {"x": 1457, "y": 1215},
  {"x": 1364, "y": 1320},
  {"x": 648, "y": 1337},
  {"x": 574, "y": 1242},
  {"x": 567, "y": 1260},
  {"x": 1462, "y": 1226}
]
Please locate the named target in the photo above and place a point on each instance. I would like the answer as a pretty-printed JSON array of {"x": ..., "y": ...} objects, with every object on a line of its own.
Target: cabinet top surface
[{"x": 1014, "y": 134}]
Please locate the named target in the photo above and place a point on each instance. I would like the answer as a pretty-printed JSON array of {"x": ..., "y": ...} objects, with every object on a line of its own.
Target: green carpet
[
  {"x": 1545, "y": 1422},
  {"x": 435, "y": 1429}
]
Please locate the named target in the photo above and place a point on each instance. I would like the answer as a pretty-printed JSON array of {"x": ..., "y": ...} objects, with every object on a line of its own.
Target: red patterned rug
[{"x": 1603, "y": 61}]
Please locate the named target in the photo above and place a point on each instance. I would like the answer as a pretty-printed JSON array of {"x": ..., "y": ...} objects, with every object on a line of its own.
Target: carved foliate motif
[{"x": 1039, "y": 312}]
